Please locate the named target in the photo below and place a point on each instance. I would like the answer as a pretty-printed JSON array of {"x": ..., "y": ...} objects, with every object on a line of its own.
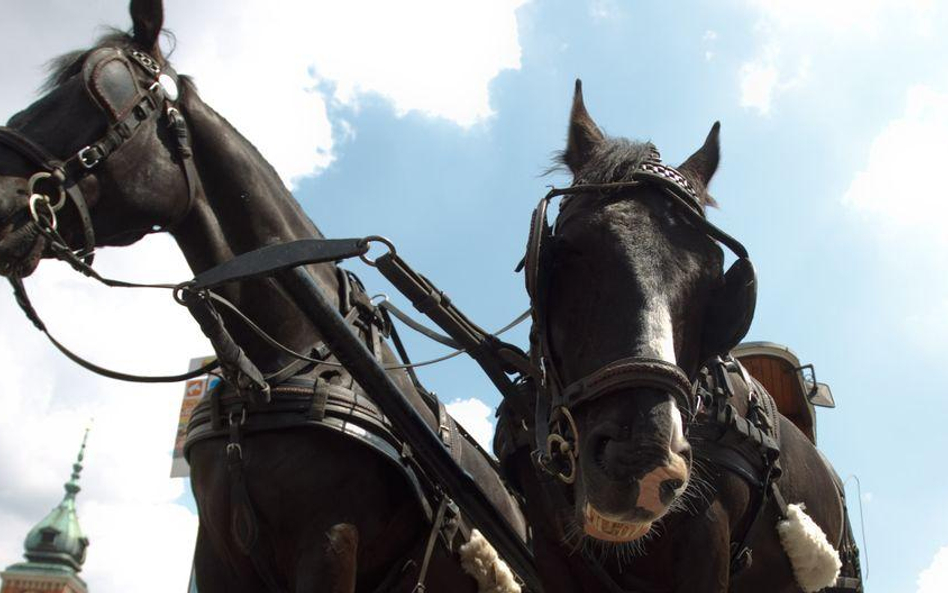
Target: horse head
[
  {"x": 100, "y": 158},
  {"x": 632, "y": 299}
]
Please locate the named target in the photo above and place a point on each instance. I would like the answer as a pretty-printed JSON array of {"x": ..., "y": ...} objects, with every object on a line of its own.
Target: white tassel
[
  {"x": 815, "y": 563},
  {"x": 480, "y": 560}
]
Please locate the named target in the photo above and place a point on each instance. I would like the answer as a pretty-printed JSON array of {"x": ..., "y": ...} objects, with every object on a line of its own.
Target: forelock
[{"x": 64, "y": 67}]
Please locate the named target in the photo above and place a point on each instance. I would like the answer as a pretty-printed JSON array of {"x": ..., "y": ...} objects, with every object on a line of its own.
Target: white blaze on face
[
  {"x": 658, "y": 340},
  {"x": 677, "y": 443}
]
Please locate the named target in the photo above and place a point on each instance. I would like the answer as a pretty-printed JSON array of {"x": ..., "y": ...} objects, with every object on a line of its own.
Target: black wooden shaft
[{"x": 425, "y": 444}]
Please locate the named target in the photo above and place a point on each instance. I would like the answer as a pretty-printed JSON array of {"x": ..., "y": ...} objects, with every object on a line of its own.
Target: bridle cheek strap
[
  {"x": 631, "y": 373},
  {"x": 60, "y": 174}
]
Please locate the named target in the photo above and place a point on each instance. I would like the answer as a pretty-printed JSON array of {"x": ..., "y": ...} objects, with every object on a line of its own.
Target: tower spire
[
  {"x": 72, "y": 486},
  {"x": 55, "y": 548}
]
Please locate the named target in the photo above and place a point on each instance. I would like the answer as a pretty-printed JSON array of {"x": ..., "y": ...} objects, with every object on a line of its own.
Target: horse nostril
[{"x": 669, "y": 490}]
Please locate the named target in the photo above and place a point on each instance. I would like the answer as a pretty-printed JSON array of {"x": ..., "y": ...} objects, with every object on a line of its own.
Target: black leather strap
[
  {"x": 23, "y": 301},
  {"x": 271, "y": 259}
]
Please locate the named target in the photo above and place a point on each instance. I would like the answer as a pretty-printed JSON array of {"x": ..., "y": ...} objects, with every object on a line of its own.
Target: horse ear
[
  {"x": 147, "y": 18},
  {"x": 584, "y": 134},
  {"x": 703, "y": 163}
]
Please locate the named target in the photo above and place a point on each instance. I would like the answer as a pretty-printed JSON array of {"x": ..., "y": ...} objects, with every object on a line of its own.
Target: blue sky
[{"x": 436, "y": 131}]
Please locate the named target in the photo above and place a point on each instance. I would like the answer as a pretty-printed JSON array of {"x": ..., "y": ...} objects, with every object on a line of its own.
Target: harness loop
[{"x": 42, "y": 176}]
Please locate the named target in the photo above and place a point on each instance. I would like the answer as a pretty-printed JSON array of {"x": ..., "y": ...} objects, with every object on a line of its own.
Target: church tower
[{"x": 55, "y": 549}]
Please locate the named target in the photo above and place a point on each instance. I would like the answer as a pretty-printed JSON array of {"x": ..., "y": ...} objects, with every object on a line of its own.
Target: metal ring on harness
[
  {"x": 563, "y": 448},
  {"x": 41, "y": 176},
  {"x": 376, "y": 239},
  {"x": 44, "y": 223}
]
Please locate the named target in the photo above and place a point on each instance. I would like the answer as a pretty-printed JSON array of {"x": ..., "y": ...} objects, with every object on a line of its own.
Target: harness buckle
[
  {"x": 234, "y": 449},
  {"x": 89, "y": 161}
]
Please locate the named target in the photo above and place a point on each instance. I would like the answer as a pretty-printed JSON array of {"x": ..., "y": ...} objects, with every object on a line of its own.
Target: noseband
[
  {"x": 556, "y": 447},
  {"x": 112, "y": 85}
]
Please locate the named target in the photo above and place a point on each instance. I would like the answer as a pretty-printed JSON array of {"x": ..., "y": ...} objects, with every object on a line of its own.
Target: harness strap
[
  {"x": 245, "y": 526},
  {"x": 483, "y": 347},
  {"x": 237, "y": 367},
  {"x": 23, "y": 300},
  {"x": 746, "y": 446},
  {"x": 429, "y": 547}
]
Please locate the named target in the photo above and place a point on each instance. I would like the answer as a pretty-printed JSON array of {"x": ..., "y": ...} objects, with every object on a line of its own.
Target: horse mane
[{"x": 615, "y": 160}]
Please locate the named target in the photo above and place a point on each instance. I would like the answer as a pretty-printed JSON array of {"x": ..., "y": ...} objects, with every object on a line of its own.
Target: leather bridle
[
  {"x": 130, "y": 105},
  {"x": 156, "y": 99},
  {"x": 556, "y": 447}
]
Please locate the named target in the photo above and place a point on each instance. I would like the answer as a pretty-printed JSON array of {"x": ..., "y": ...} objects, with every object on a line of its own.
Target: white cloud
[
  {"x": 709, "y": 38},
  {"x": 758, "y": 80},
  {"x": 898, "y": 195},
  {"x": 761, "y": 79},
  {"x": 794, "y": 34},
  {"x": 934, "y": 579},
  {"x": 603, "y": 9},
  {"x": 899, "y": 188},
  {"x": 476, "y": 417},
  {"x": 271, "y": 71}
]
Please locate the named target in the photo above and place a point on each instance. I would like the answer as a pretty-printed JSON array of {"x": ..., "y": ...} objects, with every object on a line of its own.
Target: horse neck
[{"x": 243, "y": 205}]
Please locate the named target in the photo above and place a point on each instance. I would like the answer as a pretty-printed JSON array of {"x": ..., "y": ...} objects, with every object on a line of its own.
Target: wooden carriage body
[{"x": 793, "y": 385}]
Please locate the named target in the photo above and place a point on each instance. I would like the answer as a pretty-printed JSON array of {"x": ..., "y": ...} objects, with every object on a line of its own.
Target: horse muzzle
[
  {"x": 598, "y": 526},
  {"x": 21, "y": 244}
]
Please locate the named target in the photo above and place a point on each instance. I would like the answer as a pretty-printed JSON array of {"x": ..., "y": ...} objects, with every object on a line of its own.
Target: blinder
[
  {"x": 110, "y": 82},
  {"x": 730, "y": 311}
]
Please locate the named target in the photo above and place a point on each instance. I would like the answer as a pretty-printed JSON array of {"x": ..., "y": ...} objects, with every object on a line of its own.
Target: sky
[{"x": 432, "y": 122}]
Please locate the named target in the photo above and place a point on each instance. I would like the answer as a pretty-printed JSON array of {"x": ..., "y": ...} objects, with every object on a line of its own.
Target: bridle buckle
[{"x": 89, "y": 161}]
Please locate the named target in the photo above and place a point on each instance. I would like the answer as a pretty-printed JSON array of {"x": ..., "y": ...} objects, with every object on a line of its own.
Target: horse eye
[{"x": 566, "y": 249}]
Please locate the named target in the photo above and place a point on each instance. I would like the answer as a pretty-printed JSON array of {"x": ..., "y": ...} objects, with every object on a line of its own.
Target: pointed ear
[
  {"x": 704, "y": 163},
  {"x": 584, "y": 134},
  {"x": 147, "y": 19}
]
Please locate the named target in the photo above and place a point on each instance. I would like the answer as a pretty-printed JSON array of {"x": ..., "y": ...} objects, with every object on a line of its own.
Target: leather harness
[{"x": 326, "y": 398}]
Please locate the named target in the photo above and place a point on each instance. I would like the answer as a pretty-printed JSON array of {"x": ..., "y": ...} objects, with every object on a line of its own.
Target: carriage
[{"x": 792, "y": 385}]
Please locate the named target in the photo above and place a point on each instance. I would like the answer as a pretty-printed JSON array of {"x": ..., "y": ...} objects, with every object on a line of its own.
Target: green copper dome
[{"x": 57, "y": 539}]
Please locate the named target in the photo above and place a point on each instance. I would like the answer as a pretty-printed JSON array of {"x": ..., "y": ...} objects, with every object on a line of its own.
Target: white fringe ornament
[
  {"x": 480, "y": 560},
  {"x": 815, "y": 563}
]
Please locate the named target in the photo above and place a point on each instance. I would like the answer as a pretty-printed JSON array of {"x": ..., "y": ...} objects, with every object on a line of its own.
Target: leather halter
[
  {"x": 144, "y": 105},
  {"x": 555, "y": 400}
]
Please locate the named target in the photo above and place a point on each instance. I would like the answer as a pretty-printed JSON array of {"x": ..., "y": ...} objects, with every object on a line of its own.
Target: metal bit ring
[
  {"x": 375, "y": 239},
  {"x": 41, "y": 176},
  {"x": 44, "y": 223}
]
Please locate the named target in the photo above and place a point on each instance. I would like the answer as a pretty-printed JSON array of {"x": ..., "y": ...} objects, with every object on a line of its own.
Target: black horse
[
  {"x": 324, "y": 497},
  {"x": 662, "y": 471}
]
